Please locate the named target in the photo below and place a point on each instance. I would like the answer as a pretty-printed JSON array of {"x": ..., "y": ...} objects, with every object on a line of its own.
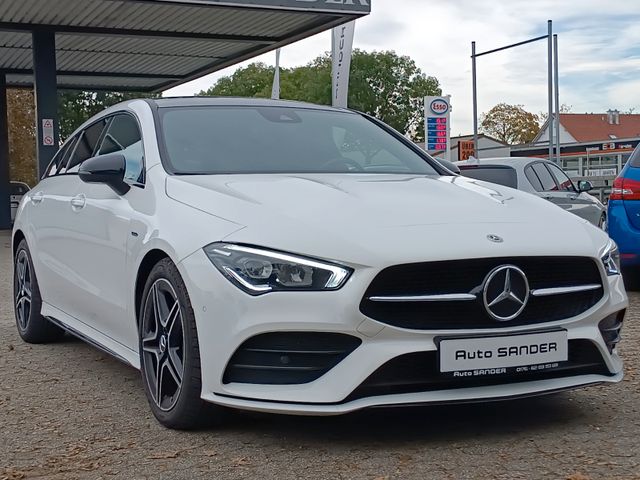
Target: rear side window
[
  {"x": 533, "y": 179},
  {"x": 502, "y": 175},
  {"x": 123, "y": 135},
  {"x": 545, "y": 178},
  {"x": 86, "y": 145},
  {"x": 60, "y": 160},
  {"x": 634, "y": 159},
  {"x": 18, "y": 189}
]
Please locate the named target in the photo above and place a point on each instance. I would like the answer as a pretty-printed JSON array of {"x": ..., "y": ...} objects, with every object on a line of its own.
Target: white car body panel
[{"x": 87, "y": 261}]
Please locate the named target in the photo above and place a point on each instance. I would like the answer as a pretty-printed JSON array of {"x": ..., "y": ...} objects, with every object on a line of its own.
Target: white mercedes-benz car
[{"x": 285, "y": 257}]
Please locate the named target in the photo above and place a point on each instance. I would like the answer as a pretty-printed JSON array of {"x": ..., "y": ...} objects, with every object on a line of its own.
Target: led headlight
[
  {"x": 611, "y": 259},
  {"x": 258, "y": 271}
]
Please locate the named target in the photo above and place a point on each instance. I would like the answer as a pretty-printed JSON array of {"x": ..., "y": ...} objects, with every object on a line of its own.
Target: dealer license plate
[{"x": 458, "y": 354}]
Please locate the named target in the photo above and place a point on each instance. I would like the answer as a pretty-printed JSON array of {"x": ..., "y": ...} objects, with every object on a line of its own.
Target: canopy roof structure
[
  {"x": 152, "y": 45},
  {"x": 139, "y": 46}
]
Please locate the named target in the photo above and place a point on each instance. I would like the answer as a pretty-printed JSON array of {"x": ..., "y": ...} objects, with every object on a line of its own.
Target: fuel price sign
[{"x": 437, "y": 126}]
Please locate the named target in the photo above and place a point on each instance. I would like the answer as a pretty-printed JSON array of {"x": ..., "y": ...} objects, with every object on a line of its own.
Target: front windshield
[{"x": 217, "y": 140}]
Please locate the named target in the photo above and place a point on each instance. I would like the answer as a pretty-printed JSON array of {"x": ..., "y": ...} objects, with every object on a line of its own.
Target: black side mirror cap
[
  {"x": 108, "y": 169},
  {"x": 452, "y": 167}
]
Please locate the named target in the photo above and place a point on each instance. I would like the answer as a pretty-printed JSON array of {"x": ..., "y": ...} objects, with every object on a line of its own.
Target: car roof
[
  {"x": 506, "y": 161},
  {"x": 236, "y": 102}
]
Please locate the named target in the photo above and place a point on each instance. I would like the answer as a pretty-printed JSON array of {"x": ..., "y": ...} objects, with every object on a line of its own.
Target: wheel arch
[
  {"x": 18, "y": 236},
  {"x": 151, "y": 258}
]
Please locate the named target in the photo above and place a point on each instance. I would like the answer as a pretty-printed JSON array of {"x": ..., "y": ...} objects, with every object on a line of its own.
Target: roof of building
[
  {"x": 586, "y": 127},
  {"x": 152, "y": 45}
]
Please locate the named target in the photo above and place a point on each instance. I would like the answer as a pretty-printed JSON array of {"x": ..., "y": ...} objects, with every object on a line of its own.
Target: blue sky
[{"x": 599, "y": 51}]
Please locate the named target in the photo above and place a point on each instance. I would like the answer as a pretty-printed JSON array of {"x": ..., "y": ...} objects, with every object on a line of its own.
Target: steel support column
[
  {"x": 5, "y": 204},
  {"x": 44, "y": 73}
]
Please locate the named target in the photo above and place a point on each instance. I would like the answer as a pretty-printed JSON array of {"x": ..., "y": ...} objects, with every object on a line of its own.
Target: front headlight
[
  {"x": 611, "y": 259},
  {"x": 258, "y": 271}
]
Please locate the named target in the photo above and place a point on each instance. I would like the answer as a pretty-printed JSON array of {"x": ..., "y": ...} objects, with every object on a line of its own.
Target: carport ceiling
[{"x": 152, "y": 45}]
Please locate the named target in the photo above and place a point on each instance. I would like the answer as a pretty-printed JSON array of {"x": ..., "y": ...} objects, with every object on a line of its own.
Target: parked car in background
[
  {"x": 624, "y": 217},
  {"x": 542, "y": 178},
  {"x": 17, "y": 191}
]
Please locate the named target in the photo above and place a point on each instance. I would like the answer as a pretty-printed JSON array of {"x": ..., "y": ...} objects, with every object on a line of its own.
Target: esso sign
[{"x": 439, "y": 106}]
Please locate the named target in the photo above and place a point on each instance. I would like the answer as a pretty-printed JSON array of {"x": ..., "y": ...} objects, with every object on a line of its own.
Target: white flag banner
[
  {"x": 342, "y": 45},
  {"x": 275, "y": 89}
]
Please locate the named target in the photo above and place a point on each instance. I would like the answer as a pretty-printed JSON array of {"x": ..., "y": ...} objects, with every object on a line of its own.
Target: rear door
[{"x": 58, "y": 234}]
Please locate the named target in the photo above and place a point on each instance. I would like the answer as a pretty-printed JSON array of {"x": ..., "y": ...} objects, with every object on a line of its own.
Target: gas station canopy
[{"x": 152, "y": 45}]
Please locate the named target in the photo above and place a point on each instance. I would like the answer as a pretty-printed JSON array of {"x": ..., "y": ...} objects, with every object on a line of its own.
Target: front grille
[
  {"x": 467, "y": 276},
  {"x": 419, "y": 372},
  {"x": 288, "y": 358}
]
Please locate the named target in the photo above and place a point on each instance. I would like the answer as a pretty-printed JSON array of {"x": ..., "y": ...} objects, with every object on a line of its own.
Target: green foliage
[
  {"x": 511, "y": 124},
  {"x": 383, "y": 84},
  {"x": 75, "y": 106}
]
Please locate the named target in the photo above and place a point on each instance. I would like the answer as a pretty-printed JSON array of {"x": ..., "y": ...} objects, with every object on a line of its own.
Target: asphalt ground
[{"x": 69, "y": 411}]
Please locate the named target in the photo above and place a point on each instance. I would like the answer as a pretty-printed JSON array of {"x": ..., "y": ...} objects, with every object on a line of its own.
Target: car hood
[{"x": 369, "y": 219}]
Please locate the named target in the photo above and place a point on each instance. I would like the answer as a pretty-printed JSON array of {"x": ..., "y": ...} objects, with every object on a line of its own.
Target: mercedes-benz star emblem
[
  {"x": 495, "y": 238},
  {"x": 505, "y": 293}
]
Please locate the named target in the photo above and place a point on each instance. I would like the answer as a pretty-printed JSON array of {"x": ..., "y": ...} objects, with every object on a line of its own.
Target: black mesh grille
[
  {"x": 465, "y": 276},
  {"x": 419, "y": 372},
  {"x": 288, "y": 358}
]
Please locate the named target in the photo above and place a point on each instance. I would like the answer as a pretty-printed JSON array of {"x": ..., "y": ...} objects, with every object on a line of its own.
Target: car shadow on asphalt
[
  {"x": 392, "y": 425},
  {"x": 426, "y": 423}
]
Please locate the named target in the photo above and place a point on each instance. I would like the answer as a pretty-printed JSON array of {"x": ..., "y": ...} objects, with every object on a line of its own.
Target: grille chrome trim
[
  {"x": 447, "y": 297},
  {"x": 544, "y": 292}
]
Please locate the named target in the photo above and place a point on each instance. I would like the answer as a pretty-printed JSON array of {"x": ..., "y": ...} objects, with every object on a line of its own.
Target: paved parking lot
[{"x": 69, "y": 411}]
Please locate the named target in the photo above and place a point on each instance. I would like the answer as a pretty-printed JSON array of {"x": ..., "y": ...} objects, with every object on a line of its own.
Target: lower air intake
[{"x": 288, "y": 358}]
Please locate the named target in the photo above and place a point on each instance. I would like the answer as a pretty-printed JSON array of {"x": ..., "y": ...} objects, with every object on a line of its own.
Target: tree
[
  {"x": 22, "y": 136},
  {"x": 564, "y": 108},
  {"x": 383, "y": 84},
  {"x": 511, "y": 124},
  {"x": 75, "y": 106}
]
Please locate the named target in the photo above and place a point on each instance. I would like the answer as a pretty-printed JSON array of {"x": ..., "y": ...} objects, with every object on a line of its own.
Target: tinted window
[
  {"x": 634, "y": 159},
  {"x": 533, "y": 179},
  {"x": 211, "y": 140},
  {"x": 123, "y": 136},
  {"x": 564, "y": 183},
  {"x": 18, "y": 189},
  {"x": 506, "y": 176},
  {"x": 546, "y": 180},
  {"x": 86, "y": 145},
  {"x": 61, "y": 158}
]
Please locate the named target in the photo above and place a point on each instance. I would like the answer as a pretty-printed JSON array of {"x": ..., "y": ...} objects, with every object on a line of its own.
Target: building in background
[{"x": 591, "y": 144}]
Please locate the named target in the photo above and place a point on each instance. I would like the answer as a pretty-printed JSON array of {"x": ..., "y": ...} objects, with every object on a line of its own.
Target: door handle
[
  {"x": 78, "y": 202},
  {"x": 37, "y": 197}
]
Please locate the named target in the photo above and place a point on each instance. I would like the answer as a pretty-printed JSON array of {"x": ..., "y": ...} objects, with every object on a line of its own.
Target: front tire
[
  {"x": 169, "y": 351},
  {"x": 32, "y": 326}
]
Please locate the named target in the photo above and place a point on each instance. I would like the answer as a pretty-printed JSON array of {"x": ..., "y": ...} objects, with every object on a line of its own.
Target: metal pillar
[
  {"x": 557, "y": 96},
  {"x": 44, "y": 75},
  {"x": 5, "y": 203},
  {"x": 476, "y": 151},
  {"x": 550, "y": 84}
]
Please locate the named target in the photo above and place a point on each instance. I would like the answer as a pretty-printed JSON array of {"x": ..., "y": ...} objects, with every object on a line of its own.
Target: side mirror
[
  {"x": 108, "y": 169},
  {"x": 584, "y": 186},
  {"x": 452, "y": 167}
]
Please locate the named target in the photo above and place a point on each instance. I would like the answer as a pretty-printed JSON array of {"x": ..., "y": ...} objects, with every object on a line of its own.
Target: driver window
[{"x": 564, "y": 182}]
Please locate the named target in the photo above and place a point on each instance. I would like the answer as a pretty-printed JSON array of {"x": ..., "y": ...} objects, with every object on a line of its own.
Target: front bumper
[{"x": 226, "y": 317}]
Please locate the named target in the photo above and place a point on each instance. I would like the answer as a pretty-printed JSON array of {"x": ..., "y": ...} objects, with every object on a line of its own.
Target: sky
[{"x": 598, "y": 44}]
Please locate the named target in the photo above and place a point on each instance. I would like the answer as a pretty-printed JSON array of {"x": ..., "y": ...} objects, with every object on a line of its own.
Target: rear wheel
[
  {"x": 631, "y": 278},
  {"x": 32, "y": 327},
  {"x": 170, "y": 353}
]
